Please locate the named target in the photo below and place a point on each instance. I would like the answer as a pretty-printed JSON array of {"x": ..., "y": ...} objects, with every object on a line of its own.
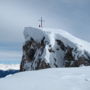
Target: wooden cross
[{"x": 41, "y": 22}]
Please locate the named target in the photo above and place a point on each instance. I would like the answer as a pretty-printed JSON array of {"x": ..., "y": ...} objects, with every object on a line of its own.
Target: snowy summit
[
  {"x": 51, "y": 48},
  {"x": 48, "y": 48}
]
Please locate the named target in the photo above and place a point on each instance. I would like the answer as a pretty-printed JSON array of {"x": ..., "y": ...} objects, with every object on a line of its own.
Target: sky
[{"x": 72, "y": 16}]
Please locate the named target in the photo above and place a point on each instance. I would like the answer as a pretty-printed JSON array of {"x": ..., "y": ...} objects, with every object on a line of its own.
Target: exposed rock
[
  {"x": 40, "y": 52},
  {"x": 33, "y": 54},
  {"x": 71, "y": 60},
  {"x": 61, "y": 44}
]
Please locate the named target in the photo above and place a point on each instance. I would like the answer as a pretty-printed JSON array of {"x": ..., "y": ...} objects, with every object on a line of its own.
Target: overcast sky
[{"x": 70, "y": 15}]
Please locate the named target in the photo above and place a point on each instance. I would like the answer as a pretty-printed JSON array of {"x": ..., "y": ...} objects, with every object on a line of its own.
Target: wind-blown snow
[
  {"x": 56, "y": 58},
  {"x": 51, "y": 34},
  {"x": 36, "y": 34},
  {"x": 69, "y": 39},
  {"x": 49, "y": 79}
]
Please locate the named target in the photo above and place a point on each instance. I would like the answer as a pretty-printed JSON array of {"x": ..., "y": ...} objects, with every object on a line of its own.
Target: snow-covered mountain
[
  {"x": 48, "y": 48},
  {"x": 5, "y": 67},
  {"x": 49, "y": 79},
  {"x": 8, "y": 69}
]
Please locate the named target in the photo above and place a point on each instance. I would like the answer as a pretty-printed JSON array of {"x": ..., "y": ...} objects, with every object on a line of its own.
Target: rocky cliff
[{"x": 48, "y": 48}]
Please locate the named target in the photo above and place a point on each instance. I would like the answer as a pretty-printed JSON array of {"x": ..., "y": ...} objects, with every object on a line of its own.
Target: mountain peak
[{"x": 45, "y": 48}]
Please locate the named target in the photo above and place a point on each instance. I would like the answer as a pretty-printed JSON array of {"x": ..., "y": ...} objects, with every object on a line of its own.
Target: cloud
[
  {"x": 75, "y": 1},
  {"x": 65, "y": 14},
  {"x": 10, "y": 55},
  {"x": 70, "y": 15}
]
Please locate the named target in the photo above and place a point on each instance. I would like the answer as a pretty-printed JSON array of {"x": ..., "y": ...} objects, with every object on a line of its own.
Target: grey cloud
[{"x": 71, "y": 15}]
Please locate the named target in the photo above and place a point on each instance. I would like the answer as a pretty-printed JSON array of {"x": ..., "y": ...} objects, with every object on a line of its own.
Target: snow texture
[
  {"x": 68, "y": 39},
  {"x": 51, "y": 54},
  {"x": 36, "y": 34},
  {"x": 49, "y": 79},
  {"x": 52, "y": 34}
]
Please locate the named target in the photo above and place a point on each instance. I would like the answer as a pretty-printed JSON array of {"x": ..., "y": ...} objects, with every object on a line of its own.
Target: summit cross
[{"x": 41, "y": 22}]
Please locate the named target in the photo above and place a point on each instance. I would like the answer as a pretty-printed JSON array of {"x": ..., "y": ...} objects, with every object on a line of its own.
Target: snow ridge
[{"x": 45, "y": 48}]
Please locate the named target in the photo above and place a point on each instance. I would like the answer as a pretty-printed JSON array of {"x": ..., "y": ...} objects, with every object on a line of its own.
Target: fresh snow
[
  {"x": 49, "y": 79},
  {"x": 68, "y": 39},
  {"x": 50, "y": 36},
  {"x": 53, "y": 78},
  {"x": 36, "y": 34}
]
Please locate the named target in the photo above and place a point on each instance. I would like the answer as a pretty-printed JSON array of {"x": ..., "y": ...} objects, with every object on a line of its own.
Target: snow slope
[
  {"x": 51, "y": 34},
  {"x": 69, "y": 39},
  {"x": 49, "y": 79}
]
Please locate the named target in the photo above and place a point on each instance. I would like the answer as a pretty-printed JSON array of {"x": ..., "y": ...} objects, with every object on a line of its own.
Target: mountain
[
  {"x": 5, "y": 67},
  {"x": 8, "y": 69},
  {"x": 49, "y": 79},
  {"x": 48, "y": 48}
]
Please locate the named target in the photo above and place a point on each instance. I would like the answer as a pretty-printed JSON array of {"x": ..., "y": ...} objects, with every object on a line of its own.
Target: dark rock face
[
  {"x": 33, "y": 59},
  {"x": 50, "y": 51},
  {"x": 81, "y": 61},
  {"x": 61, "y": 44},
  {"x": 71, "y": 60},
  {"x": 42, "y": 65},
  {"x": 33, "y": 53}
]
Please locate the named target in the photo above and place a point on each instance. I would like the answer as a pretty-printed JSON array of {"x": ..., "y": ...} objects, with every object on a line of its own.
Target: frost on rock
[
  {"x": 34, "y": 49},
  {"x": 49, "y": 48}
]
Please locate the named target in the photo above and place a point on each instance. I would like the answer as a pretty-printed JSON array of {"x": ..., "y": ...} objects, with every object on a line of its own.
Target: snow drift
[
  {"x": 47, "y": 48},
  {"x": 49, "y": 79}
]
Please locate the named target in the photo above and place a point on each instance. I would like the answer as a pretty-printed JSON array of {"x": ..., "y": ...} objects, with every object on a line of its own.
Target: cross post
[{"x": 41, "y": 22}]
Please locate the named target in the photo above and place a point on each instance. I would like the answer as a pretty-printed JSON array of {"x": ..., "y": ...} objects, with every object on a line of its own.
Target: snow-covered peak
[
  {"x": 69, "y": 39},
  {"x": 35, "y": 33},
  {"x": 45, "y": 48},
  {"x": 51, "y": 34}
]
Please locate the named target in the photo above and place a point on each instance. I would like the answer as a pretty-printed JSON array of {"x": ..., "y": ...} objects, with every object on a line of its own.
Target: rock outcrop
[{"x": 47, "y": 49}]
